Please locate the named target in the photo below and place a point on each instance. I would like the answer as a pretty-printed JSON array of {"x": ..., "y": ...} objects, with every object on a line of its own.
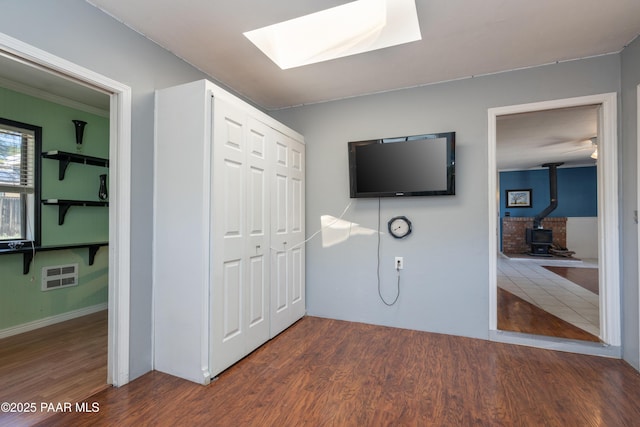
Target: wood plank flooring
[
  {"x": 518, "y": 315},
  {"x": 585, "y": 277},
  {"x": 323, "y": 372},
  {"x": 65, "y": 362}
]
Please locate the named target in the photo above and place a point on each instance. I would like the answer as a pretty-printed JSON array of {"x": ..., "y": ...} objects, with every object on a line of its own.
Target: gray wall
[
  {"x": 80, "y": 33},
  {"x": 444, "y": 286},
  {"x": 629, "y": 193}
]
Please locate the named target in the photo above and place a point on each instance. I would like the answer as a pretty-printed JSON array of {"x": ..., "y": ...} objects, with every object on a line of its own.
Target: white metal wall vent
[{"x": 59, "y": 276}]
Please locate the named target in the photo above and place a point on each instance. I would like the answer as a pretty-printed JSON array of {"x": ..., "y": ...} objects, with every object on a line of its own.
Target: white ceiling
[
  {"x": 25, "y": 77},
  {"x": 460, "y": 38},
  {"x": 528, "y": 140}
]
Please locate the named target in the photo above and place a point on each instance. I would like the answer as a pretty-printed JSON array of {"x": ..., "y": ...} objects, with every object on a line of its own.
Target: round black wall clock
[{"x": 399, "y": 227}]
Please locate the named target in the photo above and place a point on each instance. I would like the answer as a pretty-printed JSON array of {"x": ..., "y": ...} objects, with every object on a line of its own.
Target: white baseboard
[{"x": 47, "y": 321}]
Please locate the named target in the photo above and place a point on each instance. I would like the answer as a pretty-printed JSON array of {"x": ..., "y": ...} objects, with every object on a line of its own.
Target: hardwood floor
[
  {"x": 562, "y": 295},
  {"x": 65, "y": 362},
  {"x": 585, "y": 277},
  {"x": 518, "y": 315},
  {"x": 323, "y": 372}
]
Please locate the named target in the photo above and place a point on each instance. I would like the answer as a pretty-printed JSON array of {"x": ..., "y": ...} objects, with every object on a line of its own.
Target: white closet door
[
  {"x": 228, "y": 225},
  {"x": 240, "y": 235},
  {"x": 296, "y": 231},
  {"x": 287, "y": 234},
  {"x": 258, "y": 230},
  {"x": 220, "y": 166}
]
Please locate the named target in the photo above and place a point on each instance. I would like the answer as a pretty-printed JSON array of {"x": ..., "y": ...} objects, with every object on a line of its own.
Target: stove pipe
[{"x": 553, "y": 194}]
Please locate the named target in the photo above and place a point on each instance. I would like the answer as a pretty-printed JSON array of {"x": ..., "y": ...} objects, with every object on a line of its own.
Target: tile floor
[{"x": 527, "y": 279}]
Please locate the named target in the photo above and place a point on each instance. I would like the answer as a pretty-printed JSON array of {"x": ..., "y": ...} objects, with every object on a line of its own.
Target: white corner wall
[{"x": 582, "y": 236}]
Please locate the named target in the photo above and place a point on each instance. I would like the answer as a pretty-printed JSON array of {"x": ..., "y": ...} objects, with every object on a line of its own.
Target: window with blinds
[{"x": 19, "y": 145}]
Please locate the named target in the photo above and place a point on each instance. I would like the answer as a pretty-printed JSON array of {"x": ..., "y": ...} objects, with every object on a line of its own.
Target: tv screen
[{"x": 418, "y": 165}]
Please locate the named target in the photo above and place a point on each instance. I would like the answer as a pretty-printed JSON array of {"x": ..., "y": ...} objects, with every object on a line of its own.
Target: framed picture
[{"x": 518, "y": 198}]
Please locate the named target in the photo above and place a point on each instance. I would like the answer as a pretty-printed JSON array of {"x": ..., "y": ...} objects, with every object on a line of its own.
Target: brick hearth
[{"x": 514, "y": 234}]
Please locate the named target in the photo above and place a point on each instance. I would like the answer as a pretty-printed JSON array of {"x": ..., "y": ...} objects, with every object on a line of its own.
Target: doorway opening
[
  {"x": 512, "y": 208},
  {"x": 69, "y": 76}
]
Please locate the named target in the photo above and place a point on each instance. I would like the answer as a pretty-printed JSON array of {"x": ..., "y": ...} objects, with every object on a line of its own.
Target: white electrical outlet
[{"x": 399, "y": 265}]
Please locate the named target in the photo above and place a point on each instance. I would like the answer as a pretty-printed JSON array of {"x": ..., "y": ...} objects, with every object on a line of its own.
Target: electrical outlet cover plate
[{"x": 399, "y": 263}]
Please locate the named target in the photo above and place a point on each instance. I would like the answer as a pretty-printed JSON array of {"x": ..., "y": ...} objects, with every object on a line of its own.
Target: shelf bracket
[
  {"x": 27, "y": 257},
  {"x": 62, "y": 167},
  {"x": 93, "y": 249},
  {"x": 62, "y": 212}
]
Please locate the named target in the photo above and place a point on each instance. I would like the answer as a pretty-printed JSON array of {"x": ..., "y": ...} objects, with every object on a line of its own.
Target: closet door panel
[
  {"x": 257, "y": 242},
  {"x": 256, "y": 208},
  {"x": 280, "y": 278},
  {"x": 287, "y": 283},
  {"x": 297, "y": 276},
  {"x": 232, "y": 203},
  {"x": 258, "y": 188},
  {"x": 280, "y": 216},
  {"x": 257, "y": 293},
  {"x": 279, "y": 288},
  {"x": 228, "y": 237},
  {"x": 280, "y": 283},
  {"x": 296, "y": 231},
  {"x": 257, "y": 297},
  {"x": 297, "y": 207},
  {"x": 232, "y": 298}
]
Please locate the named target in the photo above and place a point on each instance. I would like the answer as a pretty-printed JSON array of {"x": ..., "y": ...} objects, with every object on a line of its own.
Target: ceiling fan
[{"x": 589, "y": 144}]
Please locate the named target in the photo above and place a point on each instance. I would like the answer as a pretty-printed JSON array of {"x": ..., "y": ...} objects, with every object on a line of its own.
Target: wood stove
[{"x": 540, "y": 238}]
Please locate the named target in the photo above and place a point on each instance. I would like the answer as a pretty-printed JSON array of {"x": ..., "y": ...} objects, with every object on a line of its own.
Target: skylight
[{"x": 356, "y": 27}]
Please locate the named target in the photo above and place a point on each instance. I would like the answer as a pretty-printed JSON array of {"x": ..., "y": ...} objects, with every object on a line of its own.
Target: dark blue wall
[{"x": 577, "y": 191}]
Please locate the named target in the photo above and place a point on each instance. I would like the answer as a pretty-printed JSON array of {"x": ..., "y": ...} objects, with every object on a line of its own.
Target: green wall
[{"x": 21, "y": 299}]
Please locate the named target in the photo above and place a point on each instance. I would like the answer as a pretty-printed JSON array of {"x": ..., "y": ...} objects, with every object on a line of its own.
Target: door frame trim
[
  {"x": 119, "y": 189},
  {"x": 608, "y": 231},
  {"x": 638, "y": 202}
]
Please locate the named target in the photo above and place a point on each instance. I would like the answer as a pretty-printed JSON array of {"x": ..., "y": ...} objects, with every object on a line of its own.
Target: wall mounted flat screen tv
[{"x": 418, "y": 165}]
